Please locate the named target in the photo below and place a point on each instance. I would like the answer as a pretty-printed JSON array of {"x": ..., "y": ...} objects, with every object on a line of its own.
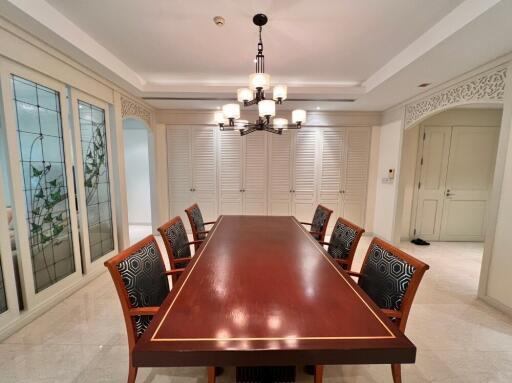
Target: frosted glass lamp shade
[
  {"x": 267, "y": 108},
  {"x": 280, "y": 123},
  {"x": 218, "y": 117},
  {"x": 259, "y": 80},
  {"x": 231, "y": 111},
  {"x": 244, "y": 94},
  {"x": 280, "y": 92},
  {"x": 299, "y": 116},
  {"x": 240, "y": 124}
]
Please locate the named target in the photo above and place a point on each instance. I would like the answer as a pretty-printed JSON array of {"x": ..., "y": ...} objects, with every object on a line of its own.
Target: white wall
[
  {"x": 390, "y": 144},
  {"x": 137, "y": 172}
]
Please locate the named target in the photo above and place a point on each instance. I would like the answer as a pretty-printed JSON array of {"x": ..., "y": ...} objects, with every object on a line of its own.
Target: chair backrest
[
  {"x": 344, "y": 239},
  {"x": 196, "y": 222},
  {"x": 176, "y": 241},
  {"x": 391, "y": 278},
  {"x": 139, "y": 276},
  {"x": 320, "y": 222}
]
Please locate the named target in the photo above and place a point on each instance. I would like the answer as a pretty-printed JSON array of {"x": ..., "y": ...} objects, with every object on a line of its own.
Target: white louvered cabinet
[
  {"x": 254, "y": 190},
  {"x": 230, "y": 159},
  {"x": 280, "y": 180},
  {"x": 192, "y": 170}
]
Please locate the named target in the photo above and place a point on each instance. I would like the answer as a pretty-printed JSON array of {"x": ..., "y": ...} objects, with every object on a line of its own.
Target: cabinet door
[
  {"x": 179, "y": 168},
  {"x": 305, "y": 174},
  {"x": 332, "y": 155},
  {"x": 356, "y": 174},
  {"x": 230, "y": 173},
  {"x": 280, "y": 174},
  {"x": 255, "y": 174},
  {"x": 204, "y": 182}
]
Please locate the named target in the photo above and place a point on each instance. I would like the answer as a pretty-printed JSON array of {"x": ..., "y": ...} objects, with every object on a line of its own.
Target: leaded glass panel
[
  {"x": 96, "y": 179},
  {"x": 41, "y": 145}
]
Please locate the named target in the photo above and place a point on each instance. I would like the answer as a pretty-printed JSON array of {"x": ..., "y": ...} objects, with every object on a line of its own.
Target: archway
[{"x": 137, "y": 167}]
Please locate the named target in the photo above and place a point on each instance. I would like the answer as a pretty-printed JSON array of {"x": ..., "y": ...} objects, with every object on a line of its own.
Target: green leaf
[
  {"x": 45, "y": 238},
  {"x": 60, "y": 217},
  {"x": 57, "y": 229},
  {"x": 53, "y": 182},
  {"x": 47, "y": 168},
  {"x": 39, "y": 194},
  {"x": 35, "y": 227},
  {"x": 56, "y": 196},
  {"x": 48, "y": 218},
  {"x": 89, "y": 155},
  {"x": 36, "y": 211},
  {"x": 36, "y": 172},
  {"x": 88, "y": 183}
]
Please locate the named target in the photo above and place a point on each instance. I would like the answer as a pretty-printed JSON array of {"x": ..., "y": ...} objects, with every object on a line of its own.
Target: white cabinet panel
[
  {"x": 178, "y": 165},
  {"x": 255, "y": 174},
  {"x": 305, "y": 173},
  {"x": 280, "y": 174},
  {"x": 230, "y": 173},
  {"x": 357, "y": 156},
  {"x": 204, "y": 169}
]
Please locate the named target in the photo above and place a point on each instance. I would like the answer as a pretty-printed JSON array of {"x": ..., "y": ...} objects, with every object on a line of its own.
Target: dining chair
[
  {"x": 390, "y": 277},
  {"x": 197, "y": 223},
  {"x": 319, "y": 223},
  {"x": 343, "y": 242},
  {"x": 177, "y": 244},
  {"x": 141, "y": 282}
]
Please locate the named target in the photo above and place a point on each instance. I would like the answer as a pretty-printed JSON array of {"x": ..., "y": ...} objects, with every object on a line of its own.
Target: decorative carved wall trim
[
  {"x": 485, "y": 87},
  {"x": 130, "y": 108}
]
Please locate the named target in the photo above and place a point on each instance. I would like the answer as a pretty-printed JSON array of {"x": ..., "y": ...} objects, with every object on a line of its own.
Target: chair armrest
[
  {"x": 209, "y": 223},
  {"x": 341, "y": 261},
  {"x": 180, "y": 260},
  {"x": 315, "y": 233},
  {"x": 306, "y": 223},
  {"x": 195, "y": 242},
  {"x": 174, "y": 271},
  {"x": 150, "y": 310},
  {"x": 324, "y": 243},
  {"x": 392, "y": 313},
  {"x": 354, "y": 274},
  {"x": 203, "y": 232}
]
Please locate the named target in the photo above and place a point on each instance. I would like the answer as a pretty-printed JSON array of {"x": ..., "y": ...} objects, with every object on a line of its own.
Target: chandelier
[{"x": 229, "y": 117}]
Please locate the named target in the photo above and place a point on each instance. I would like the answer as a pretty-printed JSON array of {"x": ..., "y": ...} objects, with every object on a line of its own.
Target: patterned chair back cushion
[
  {"x": 143, "y": 275},
  {"x": 320, "y": 220},
  {"x": 342, "y": 240},
  {"x": 197, "y": 221},
  {"x": 177, "y": 239},
  {"x": 385, "y": 277}
]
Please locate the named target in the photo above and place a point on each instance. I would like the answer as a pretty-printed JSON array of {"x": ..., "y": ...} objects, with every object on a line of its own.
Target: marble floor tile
[{"x": 459, "y": 338}]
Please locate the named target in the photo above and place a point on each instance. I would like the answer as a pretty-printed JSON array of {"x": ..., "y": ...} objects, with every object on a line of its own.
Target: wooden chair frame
[
  {"x": 195, "y": 232},
  {"x": 324, "y": 230},
  {"x": 128, "y": 311},
  {"x": 401, "y": 315},
  {"x": 347, "y": 263},
  {"x": 173, "y": 261}
]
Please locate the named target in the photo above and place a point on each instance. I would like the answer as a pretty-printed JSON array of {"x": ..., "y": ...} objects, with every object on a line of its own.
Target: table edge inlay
[{"x": 325, "y": 256}]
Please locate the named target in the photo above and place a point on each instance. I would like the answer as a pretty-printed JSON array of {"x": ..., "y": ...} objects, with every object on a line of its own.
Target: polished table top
[{"x": 262, "y": 291}]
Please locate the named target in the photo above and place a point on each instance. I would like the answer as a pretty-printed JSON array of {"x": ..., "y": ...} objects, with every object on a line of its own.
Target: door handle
[{"x": 448, "y": 194}]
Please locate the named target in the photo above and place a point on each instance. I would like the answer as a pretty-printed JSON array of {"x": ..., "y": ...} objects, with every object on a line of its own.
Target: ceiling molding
[
  {"x": 457, "y": 19},
  {"x": 56, "y": 22}
]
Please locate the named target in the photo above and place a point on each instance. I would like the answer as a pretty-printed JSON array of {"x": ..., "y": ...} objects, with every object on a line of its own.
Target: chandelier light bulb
[
  {"x": 280, "y": 123},
  {"x": 280, "y": 92},
  {"x": 299, "y": 116},
  {"x": 218, "y": 117},
  {"x": 244, "y": 94},
  {"x": 267, "y": 108},
  {"x": 231, "y": 111},
  {"x": 259, "y": 80}
]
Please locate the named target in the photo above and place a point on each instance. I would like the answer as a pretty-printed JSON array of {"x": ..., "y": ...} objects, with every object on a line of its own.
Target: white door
[
  {"x": 180, "y": 172},
  {"x": 357, "y": 152},
  {"x": 255, "y": 174},
  {"x": 204, "y": 176},
  {"x": 468, "y": 182},
  {"x": 431, "y": 188},
  {"x": 280, "y": 177},
  {"x": 332, "y": 156},
  {"x": 230, "y": 157},
  {"x": 305, "y": 174}
]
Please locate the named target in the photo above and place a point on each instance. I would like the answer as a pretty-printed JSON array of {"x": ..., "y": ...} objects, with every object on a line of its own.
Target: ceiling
[{"x": 375, "y": 52}]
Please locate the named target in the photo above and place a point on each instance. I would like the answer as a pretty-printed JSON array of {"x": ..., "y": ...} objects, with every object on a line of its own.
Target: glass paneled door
[
  {"x": 42, "y": 184},
  {"x": 93, "y": 164}
]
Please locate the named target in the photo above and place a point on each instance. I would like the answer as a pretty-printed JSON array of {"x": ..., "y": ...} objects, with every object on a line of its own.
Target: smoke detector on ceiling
[{"x": 219, "y": 21}]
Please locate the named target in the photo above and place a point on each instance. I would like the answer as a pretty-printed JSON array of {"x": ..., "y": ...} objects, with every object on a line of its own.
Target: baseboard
[
  {"x": 26, "y": 317},
  {"x": 497, "y": 305}
]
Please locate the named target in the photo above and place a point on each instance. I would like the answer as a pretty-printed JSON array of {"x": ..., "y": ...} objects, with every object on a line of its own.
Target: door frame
[{"x": 75, "y": 96}]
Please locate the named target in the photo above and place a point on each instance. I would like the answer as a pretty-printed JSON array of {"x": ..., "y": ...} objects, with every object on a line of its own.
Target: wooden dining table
[{"x": 261, "y": 291}]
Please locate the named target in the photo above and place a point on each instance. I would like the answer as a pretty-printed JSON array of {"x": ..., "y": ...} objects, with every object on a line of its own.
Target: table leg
[
  {"x": 211, "y": 374},
  {"x": 319, "y": 373}
]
